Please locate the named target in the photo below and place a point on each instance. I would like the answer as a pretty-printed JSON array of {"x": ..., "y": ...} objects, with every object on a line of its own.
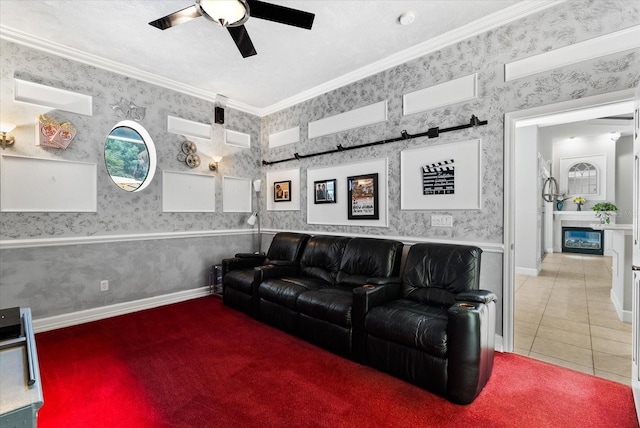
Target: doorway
[{"x": 593, "y": 107}]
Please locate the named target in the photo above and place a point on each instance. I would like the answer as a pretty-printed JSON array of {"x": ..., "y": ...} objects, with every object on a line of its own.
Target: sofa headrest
[
  {"x": 321, "y": 257},
  {"x": 435, "y": 273},
  {"x": 369, "y": 257},
  {"x": 287, "y": 246}
]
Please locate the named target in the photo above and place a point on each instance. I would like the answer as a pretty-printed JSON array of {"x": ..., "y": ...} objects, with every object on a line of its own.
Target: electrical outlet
[
  {"x": 104, "y": 285},
  {"x": 442, "y": 220}
]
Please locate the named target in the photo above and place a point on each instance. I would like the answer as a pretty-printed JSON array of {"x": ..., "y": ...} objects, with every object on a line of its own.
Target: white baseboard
[
  {"x": 88, "y": 315},
  {"x": 527, "y": 271},
  {"x": 498, "y": 345},
  {"x": 624, "y": 316}
]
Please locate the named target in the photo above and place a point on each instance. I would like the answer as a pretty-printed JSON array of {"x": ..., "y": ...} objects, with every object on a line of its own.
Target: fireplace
[{"x": 583, "y": 240}]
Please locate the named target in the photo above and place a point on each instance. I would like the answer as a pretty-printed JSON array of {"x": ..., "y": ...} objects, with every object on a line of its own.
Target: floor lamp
[{"x": 255, "y": 217}]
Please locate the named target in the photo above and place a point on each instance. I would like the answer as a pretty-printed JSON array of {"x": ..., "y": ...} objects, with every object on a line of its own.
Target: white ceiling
[{"x": 349, "y": 40}]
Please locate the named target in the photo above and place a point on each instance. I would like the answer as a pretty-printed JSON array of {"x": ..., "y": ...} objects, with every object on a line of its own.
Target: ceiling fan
[{"x": 232, "y": 14}]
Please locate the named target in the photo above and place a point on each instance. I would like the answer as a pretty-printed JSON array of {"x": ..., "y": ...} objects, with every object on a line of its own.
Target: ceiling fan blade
[
  {"x": 243, "y": 41},
  {"x": 176, "y": 18},
  {"x": 281, "y": 14}
]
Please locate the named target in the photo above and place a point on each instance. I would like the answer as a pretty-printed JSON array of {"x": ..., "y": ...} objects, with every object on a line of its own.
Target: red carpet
[{"x": 199, "y": 364}]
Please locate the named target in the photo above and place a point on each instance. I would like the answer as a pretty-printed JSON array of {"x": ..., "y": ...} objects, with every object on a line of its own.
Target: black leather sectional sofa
[{"x": 431, "y": 326}]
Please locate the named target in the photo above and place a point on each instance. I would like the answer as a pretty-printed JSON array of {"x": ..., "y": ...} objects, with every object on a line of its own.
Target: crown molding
[
  {"x": 22, "y": 38},
  {"x": 489, "y": 22},
  {"x": 505, "y": 16}
]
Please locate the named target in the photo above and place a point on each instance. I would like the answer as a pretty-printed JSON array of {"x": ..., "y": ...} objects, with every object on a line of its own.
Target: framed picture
[
  {"x": 282, "y": 191},
  {"x": 324, "y": 191},
  {"x": 363, "y": 197},
  {"x": 441, "y": 177}
]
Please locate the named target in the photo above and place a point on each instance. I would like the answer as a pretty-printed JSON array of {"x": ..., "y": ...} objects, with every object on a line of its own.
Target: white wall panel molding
[
  {"x": 186, "y": 192},
  {"x": 32, "y": 184},
  {"x": 356, "y": 118},
  {"x": 442, "y": 94},
  {"x": 611, "y": 43},
  {"x": 95, "y": 314},
  {"x": 237, "y": 139},
  {"x": 10, "y": 244},
  {"x": 282, "y": 138},
  {"x": 237, "y": 195},
  {"x": 48, "y": 96},
  {"x": 273, "y": 177},
  {"x": 188, "y": 128},
  {"x": 337, "y": 213}
]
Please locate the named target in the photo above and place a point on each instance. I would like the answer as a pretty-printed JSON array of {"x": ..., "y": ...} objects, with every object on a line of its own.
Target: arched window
[{"x": 582, "y": 179}]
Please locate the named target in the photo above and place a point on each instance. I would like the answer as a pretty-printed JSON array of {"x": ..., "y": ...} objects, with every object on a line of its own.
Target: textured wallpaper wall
[
  {"x": 120, "y": 212},
  {"x": 62, "y": 279},
  {"x": 485, "y": 54}
]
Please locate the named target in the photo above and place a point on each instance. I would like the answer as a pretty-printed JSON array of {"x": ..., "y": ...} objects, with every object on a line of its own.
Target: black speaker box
[
  {"x": 10, "y": 323},
  {"x": 219, "y": 113}
]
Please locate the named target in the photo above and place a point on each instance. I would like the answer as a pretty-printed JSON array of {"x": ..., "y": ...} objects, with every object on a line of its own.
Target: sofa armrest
[
  {"x": 282, "y": 262},
  {"x": 370, "y": 295},
  {"x": 470, "y": 345},
  {"x": 382, "y": 280},
  {"x": 236, "y": 263},
  {"x": 267, "y": 272},
  {"x": 365, "y": 298},
  {"x": 251, "y": 256},
  {"x": 479, "y": 296}
]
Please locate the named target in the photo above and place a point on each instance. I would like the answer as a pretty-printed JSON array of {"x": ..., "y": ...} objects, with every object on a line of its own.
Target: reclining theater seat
[
  {"x": 438, "y": 333},
  {"x": 238, "y": 276},
  {"x": 281, "y": 285},
  {"x": 325, "y": 314}
]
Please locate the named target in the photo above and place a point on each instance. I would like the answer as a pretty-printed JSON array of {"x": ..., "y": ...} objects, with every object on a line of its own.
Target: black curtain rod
[{"x": 431, "y": 133}]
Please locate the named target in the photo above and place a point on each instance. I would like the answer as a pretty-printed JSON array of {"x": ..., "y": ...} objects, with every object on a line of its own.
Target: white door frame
[{"x": 510, "y": 120}]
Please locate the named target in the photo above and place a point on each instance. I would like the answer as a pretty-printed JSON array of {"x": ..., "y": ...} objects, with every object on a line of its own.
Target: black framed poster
[{"x": 363, "y": 197}]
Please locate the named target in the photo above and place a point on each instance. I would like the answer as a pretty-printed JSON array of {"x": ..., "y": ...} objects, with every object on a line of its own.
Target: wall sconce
[
  {"x": 213, "y": 165},
  {"x": 6, "y": 139}
]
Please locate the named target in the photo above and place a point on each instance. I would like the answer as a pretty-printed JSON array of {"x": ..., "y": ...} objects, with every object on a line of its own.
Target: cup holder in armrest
[
  {"x": 466, "y": 305},
  {"x": 368, "y": 287}
]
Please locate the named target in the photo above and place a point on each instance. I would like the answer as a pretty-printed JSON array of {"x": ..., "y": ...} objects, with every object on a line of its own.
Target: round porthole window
[{"x": 130, "y": 156}]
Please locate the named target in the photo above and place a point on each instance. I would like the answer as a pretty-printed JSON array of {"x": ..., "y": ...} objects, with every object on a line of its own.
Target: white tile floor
[{"x": 565, "y": 316}]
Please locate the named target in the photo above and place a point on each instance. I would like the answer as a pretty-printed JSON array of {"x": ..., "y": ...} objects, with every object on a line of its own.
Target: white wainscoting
[{"x": 8, "y": 244}]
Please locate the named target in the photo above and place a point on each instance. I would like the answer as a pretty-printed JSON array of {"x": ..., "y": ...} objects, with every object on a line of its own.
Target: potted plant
[
  {"x": 578, "y": 200},
  {"x": 604, "y": 211}
]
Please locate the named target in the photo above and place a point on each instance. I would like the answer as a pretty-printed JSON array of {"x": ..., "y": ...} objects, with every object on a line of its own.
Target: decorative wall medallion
[{"x": 128, "y": 110}]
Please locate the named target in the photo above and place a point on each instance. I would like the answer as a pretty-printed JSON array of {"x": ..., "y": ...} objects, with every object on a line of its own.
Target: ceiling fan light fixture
[{"x": 227, "y": 13}]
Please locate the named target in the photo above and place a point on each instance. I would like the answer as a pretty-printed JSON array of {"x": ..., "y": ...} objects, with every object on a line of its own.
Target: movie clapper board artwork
[
  {"x": 442, "y": 177},
  {"x": 439, "y": 178}
]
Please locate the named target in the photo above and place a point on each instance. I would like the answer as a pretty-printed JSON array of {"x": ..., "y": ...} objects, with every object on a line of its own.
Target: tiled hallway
[{"x": 565, "y": 316}]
